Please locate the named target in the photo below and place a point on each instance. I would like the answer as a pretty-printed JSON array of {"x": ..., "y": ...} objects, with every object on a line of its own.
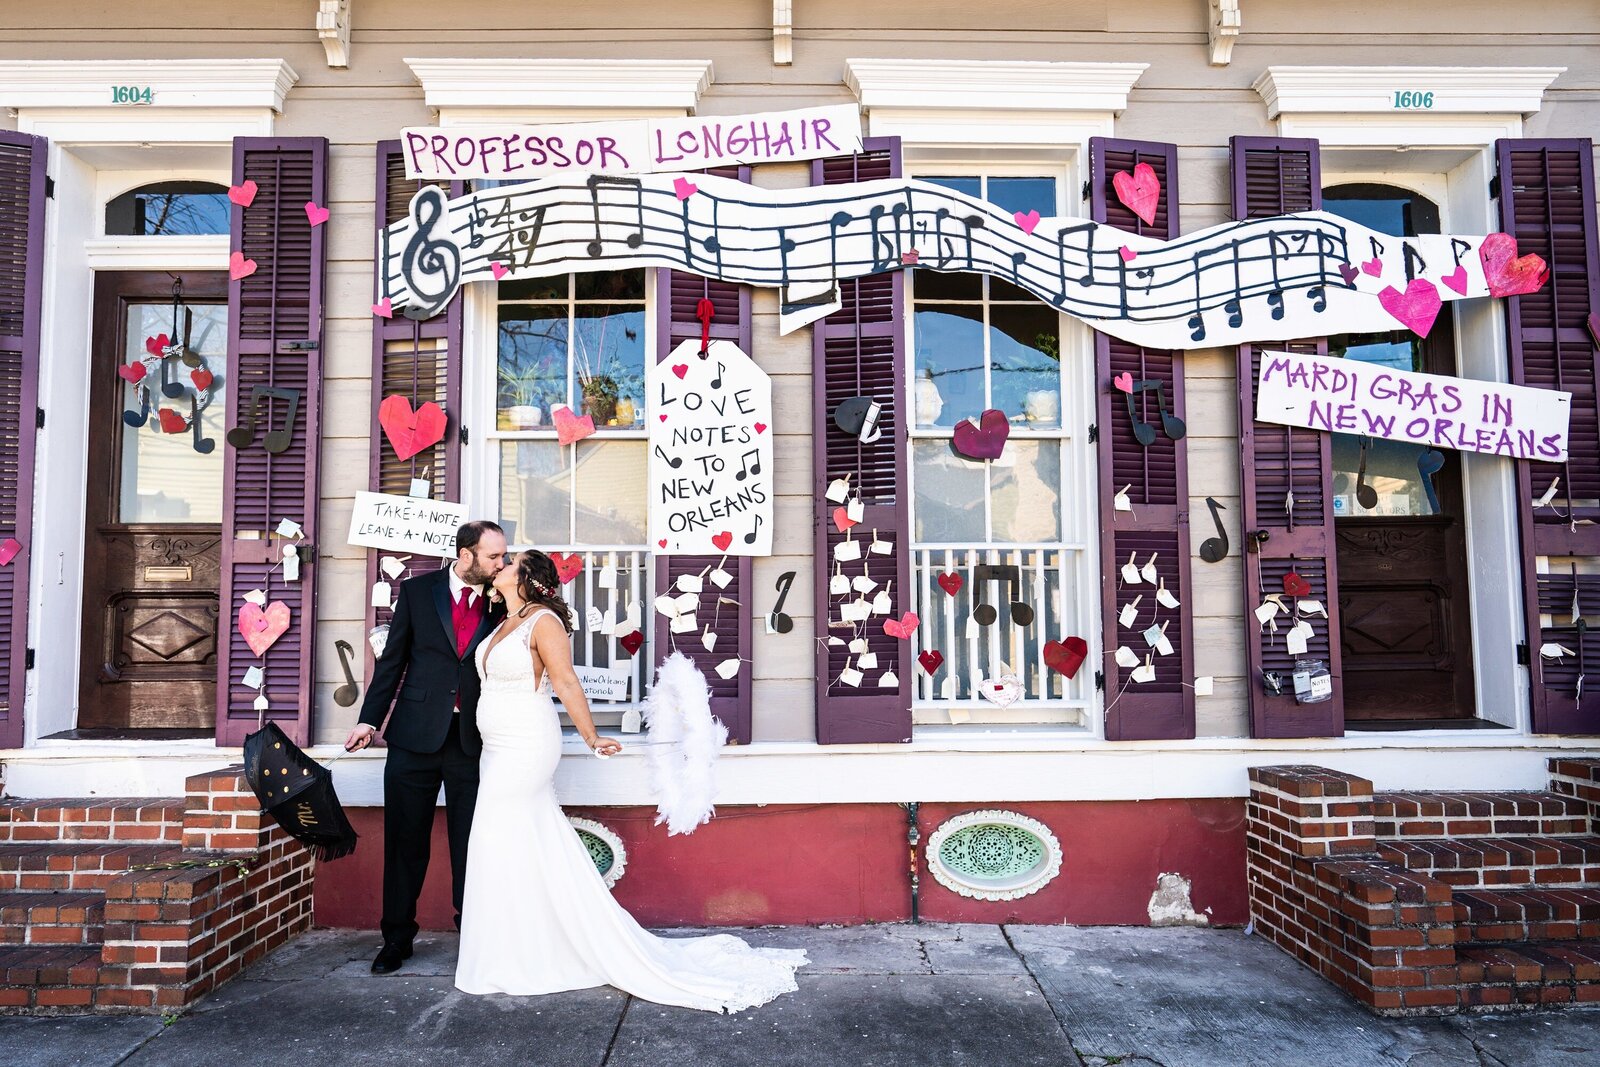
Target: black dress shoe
[{"x": 389, "y": 958}]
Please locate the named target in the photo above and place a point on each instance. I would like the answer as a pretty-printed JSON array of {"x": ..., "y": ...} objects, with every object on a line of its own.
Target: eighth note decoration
[{"x": 710, "y": 438}]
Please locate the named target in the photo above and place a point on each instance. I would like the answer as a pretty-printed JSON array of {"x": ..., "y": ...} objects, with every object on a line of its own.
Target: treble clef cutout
[
  {"x": 1215, "y": 549},
  {"x": 430, "y": 266}
]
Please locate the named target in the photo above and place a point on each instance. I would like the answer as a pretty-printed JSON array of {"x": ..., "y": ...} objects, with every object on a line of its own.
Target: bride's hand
[{"x": 604, "y": 746}]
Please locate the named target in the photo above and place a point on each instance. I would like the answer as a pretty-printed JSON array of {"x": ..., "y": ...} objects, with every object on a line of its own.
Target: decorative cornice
[
  {"x": 1225, "y": 22},
  {"x": 187, "y": 83},
  {"x": 995, "y": 85},
  {"x": 631, "y": 84},
  {"x": 1480, "y": 90},
  {"x": 333, "y": 30}
]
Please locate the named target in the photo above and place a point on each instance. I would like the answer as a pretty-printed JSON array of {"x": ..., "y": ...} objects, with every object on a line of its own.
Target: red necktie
[{"x": 466, "y": 621}]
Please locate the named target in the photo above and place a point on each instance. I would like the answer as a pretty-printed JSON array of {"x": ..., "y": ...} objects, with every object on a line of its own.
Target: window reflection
[{"x": 169, "y": 209}]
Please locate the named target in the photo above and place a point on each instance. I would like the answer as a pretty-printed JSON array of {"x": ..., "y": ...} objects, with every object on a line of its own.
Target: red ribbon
[{"x": 704, "y": 311}]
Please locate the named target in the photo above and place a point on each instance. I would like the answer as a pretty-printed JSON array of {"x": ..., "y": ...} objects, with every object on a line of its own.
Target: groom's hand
[{"x": 360, "y": 737}]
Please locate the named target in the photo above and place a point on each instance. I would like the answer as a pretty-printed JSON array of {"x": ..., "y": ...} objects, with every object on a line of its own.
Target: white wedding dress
[{"x": 537, "y": 917}]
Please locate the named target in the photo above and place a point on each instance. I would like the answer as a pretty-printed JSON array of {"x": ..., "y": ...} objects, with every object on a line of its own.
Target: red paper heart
[
  {"x": 202, "y": 379},
  {"x": 722, "y": 540},
  {"x": 631, "y": 642},
  {"x": 1066, "y": 656},
  {"x": 239, "y": 267},
  {"x": 569, "y": 427},
  {"x": 410, "y": 431},
  {"x": 1028, "y": 222},
  {"x": 1123, "y": 383},
  {"x": 761, "y": 427},
  {"x": 931, "y": 660},
  {"x": 262, "y": 628},
  {"x": 903, "y": 627},
  {"x": 1416, "y": 308},
  {"x": 950, "y": 582},
  {"x": 1373, "y": 266},
  {"x": 1140, "y": 191},
  {"x": 132, "y": 373},
  {"x": 1295, "y": 585},
  {"x": 987, "y": 440},
  {"x": 842, "y": 520},
  {"x": 157, "y": 345},
  {"x": 243, "y": 194},
  {"x": 662, "y": 542},
  {"x": 315, "y": 214},
  {"x": 1457, "y": 279},
  {"x": 568, "y": 566},
  {"x": 680, "y": 369},
  {"x": 172, "y": 422},
  {"x": 1508, "y": 275}
]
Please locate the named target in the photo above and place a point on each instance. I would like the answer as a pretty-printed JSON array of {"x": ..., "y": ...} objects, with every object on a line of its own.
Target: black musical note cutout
[
  {"x": 346, "y": 694},
  {"x": 746, "y": 467},
  {"x": 169, "y": 386},
  {"x": 777, "y": 618},
  {"x": 1143, "y": 432},
  {"x": 1458, "y": 247},
  {"x": 244, "y": 434},
  {"x": 517, "y": 236},
  {"x": 191, "y": 358},
  {"x": 750, "y": 538},
  {"x": 716, "y": 383},
  {"x": 203, "y": 445},
  {"x": 595, "y": 181},
  {"x": 1215, "y": 549},
  {"x": 430, "y": 266},
  {"x": 1171, "y": 425},
  {"x": 1412, "y": 256},
  {"x": 944, "y": 247},
  {"x": 985, "y": 614},
  {"x": 672, "y": 461},
  {"x": 1366, "y": 496},
  {"x": 1235, "y": 306},
  {"x": 1377, "y": 248},
  {"x": 143, "y": 416},
  {"x": 1430, "y": 463},
  {"x": 886, "y": 251}
]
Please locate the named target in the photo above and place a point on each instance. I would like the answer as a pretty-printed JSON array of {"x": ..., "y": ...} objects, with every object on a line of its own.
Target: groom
[{"x": 439, "y": 619}]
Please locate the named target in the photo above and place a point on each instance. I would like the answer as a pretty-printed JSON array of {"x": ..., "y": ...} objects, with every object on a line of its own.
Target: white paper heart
[{"x": 1002, "y": 691}]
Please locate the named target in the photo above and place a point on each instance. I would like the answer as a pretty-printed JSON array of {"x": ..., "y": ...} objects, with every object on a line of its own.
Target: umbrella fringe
[{"x": 337, "y": 850}]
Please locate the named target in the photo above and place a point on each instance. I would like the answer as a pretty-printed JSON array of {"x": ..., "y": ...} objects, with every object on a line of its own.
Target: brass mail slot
[{"x": 169, "y": 574}]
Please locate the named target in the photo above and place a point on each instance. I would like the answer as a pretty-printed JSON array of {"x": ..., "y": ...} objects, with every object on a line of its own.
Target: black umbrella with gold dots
[{"x": 298, "y": 792}]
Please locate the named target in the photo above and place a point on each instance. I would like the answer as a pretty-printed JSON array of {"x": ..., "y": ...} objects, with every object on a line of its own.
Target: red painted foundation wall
[{"x": 847, "y": 863}]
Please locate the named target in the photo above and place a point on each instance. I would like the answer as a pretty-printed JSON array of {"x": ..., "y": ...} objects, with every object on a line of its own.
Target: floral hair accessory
[{"x": 540, "y": 588}]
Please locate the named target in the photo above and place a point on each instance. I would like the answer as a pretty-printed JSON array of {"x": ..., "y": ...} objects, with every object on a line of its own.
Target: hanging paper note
[
  {"x": 720, "y": 578},
  {"x": 392, "y": 566},
  {"x": 253, "y": 677},
  {"x": 261, "y": 703},
  {"x": 880, "y": 603},
  {"x": 851, "y": 677},
  {"x": 689, "y": 583},
  {"x": 382, "y": 595},
  {"x": 1145, "y": 672},
  {"x": 1149, "y": 569},
  {"x": 607, "y": 578},
  {"x": 1152, "y": 634},
  {"x": 1120, "y": 501},
  {"x": 632, "y": 618},
  {"x": 709, "y": 639},
  {"x": 889, "y": 680},
  {"x": 1163, "y": 646},
  {"x": 257, "y": 597},
  {"x": 593, "y": 618},
  {"x": 632, "y": 721},
  {"x": 838, "y": 490},
  {"x": 858, "y": 645},
  {"x": 1130, "y": 612},
  {"x": 847, "y": 550},
  {"x": 1130, "y": 572},
  {"x": 1294, "y": 642},
  {"x": 1203, "y": 685},
  {"x": 854, "y": 510},
  {"x": 863, "y": 584},
  {"x": 289, "y": 528},
  {"x": 881, "y": 546},
  {"x": 973, "y": 629},
  {"x": 838, "y": 584},
  {"x": 855, "y": 611},
  {"x": 1311, "y": 607},
  {"x": 1268, "y": 612},
  {"x": 687, "y": 602},
  {"x": 667, "y": 605},
  {"x": 868, "y": 661},
  {"x": 1164, "y": 596},
  {"x": 608, "y": 622},
  {"x": 728, "y": 668},
  {"x": 291, "y": 563},
  {"x": 1126, "y": 657},
  {"x": 682, "y": 624}
]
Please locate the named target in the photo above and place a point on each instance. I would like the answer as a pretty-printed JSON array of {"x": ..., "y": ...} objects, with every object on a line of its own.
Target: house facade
[{"x": 1410, "y": 614}]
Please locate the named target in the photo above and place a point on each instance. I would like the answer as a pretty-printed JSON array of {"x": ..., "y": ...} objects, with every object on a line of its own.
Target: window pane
[
  {"x": 535, "y": 288},
  {"x": 532, "y": 364},
  {"x": 167, "y": 209},
  {"x": 610, "y": 285},
  {"x": 535, "y": 492},
  {"x": 949, "y": 494},
  {"x": 1023, "y": 194},
  {"x": 1026, "y": 502},
  {"x": 949, "y": 356},
  {"x": 611, "y": 493},
  {"x": 944, "y": 285},
  {"x": 608, "y": 354},
  {"x": 971, "y": 185},
  {"x": 1025, "y": 352}
]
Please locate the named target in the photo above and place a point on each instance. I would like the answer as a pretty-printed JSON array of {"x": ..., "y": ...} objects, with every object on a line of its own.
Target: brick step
[
  {"x": 44, "y": 978},
  {"x": 1410, "y": 814},
  {"x": 130, "y": 819},
  {"x": 1529, "y": 975},
  {"x": 1500, "y": 862},
  {"x": 63, "y": 868},
  {"x": 52, "y": 918},
  {"x": 1497, "y": 916}
]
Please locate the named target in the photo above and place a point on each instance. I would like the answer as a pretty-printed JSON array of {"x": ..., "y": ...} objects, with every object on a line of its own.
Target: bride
[{"x": 537, "y": 916}]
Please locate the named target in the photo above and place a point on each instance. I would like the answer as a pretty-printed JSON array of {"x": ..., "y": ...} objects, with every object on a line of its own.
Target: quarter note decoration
[
  {"x": 346, "y": 694},
  {"x": 244, "y": 434},
  {"x": 203, "y": 445},
  {"x": 859, "y": 417},
  {"x": 1366, "y": 496},
  {"x": 1430, "y": 463},
  {"x": 1144, "y": 432},
  {"x": 985, "y": 614},
  {"x": 750, "y": 538},
  {"x": 778, "y": 619},
  {"x": 1215, "y": 549}
]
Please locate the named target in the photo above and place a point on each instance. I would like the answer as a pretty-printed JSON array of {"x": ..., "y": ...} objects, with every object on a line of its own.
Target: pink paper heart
[
  {"x": 1128, "y": 255},
  {"x": 1416, "y": 308},
  {"x": 239, "y": 267},
  {"x": 1457, "y": 279},
  {"x": 315, "y": 214},
  {"x": 722, "y": 540},
  {"x": 1349, "y": 273},
  {"x": 842, "y": 520},
  {"x": 987, "y": 440},
  {"x": 1508, "y": 275},
  {"x": 9, "y": 549},
  {"x": 1140, "y": 191},
  {"x": 568, "y": 565},
  {"x": 132, "y": 373},
  {"x": 499, "y": 270},
  {"x": 410, "y": 432},
  {"x": 569, "y": 427},
  {"x": 903, "y": 627},
  {"x": 1373, "y": 266},
  {"x": 909, "y": 259},
  {"x": 1028, "y": 222},
  {"x": 680, "y": 369},
  {"x": 243, "y": 194},
  {"x": 761, "y": 427},
  {"x": 262, "y": 628},
  {"x": 684, "y": 188},
  {"x": 384, "y": 308},
  {"x": 663, "y": 418},
  {"x": 1123, "y": 383}
]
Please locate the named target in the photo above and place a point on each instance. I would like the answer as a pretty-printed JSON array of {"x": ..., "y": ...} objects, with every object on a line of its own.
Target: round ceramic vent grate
[
  {"x": 605, "y": 847},
  {"x": 994, "y": 855}
]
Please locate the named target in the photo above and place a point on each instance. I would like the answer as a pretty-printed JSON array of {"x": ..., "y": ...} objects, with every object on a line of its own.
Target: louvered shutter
[
  {"x": 859, "y": 350},
  {"x": 1277, "y": 176},
  {"x": 275, "y": 341},
  {"x": 1156, "y": 478},
  {"x": 22, "y": 194},
  {"x": 1547, "y": 202},
  {"x": 421, "y": 361},
  {"x": 678, "y": 296}
]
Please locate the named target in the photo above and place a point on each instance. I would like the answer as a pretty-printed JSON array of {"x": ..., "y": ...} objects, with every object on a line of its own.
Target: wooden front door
[
  {"x": 1405, "y": 620},
  {"x": 153, "y": 541}
]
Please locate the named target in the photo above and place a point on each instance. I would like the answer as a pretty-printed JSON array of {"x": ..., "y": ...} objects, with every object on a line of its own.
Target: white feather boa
[{"x": 685, "y": 739}]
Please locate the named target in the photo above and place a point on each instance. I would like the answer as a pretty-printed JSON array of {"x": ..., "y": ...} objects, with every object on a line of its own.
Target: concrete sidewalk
[{"x": 874, "y": 996}]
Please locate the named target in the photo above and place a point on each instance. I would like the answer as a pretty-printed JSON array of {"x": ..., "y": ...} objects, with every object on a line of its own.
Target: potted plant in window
[
  {"x": 524, "y": 390},
  {"x": 600, "y": 392}
]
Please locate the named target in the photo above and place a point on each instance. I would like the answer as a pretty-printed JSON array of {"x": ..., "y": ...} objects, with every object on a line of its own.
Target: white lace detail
[{"x": 513, "y": 670}]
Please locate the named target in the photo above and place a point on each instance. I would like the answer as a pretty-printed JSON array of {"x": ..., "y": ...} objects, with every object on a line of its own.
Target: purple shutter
[
  {"x": 1158, "y": 478},
  {"x": 22, "y": 194},
  {"x": 678, "y": 295},
  {"x": 1277, "y": 176},
  {"x": 1547, "y": 202},
  {"x": 420, "y": 361},
  {"x": 860, "y": 350},
  {"x": 275, "y": 341}
]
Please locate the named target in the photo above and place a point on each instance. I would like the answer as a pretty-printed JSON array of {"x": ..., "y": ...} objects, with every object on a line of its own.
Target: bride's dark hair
[{"x": 538, "y": 584}]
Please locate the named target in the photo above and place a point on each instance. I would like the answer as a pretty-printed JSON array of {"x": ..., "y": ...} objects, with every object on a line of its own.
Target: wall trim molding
[
  {"x": 991, "y": 85},
  {"x": 1345, "y": 89},
  {"x": 174, "y": 83},
  {"x": 589, "y": 84}
]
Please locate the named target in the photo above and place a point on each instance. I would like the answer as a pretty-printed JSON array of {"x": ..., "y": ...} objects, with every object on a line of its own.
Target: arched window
[{"x": 169, "y": 209}]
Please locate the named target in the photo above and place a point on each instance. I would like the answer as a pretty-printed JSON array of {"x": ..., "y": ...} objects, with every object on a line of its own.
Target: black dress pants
[{"x": 411, "y": 783}]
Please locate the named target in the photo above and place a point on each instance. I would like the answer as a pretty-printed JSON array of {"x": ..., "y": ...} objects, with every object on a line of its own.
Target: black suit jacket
[{"x": 420, "y": 662}]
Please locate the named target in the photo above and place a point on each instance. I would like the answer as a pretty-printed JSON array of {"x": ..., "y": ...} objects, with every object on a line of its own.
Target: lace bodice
[{"x": 511, "y": 666}]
